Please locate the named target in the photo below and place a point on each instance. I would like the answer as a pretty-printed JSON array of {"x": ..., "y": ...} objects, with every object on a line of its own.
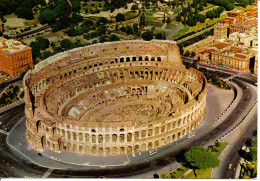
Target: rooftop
[
  {"x": 11, "y": 46},
  {"x": 221, "y": 45}
]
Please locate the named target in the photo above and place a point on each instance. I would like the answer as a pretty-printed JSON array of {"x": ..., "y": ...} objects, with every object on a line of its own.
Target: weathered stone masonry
[{"x": 113, "y": 98}]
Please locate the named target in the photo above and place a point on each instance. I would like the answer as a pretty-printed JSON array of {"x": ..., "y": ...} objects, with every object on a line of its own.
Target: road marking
[
  {"x": 4, "y": 132},
  {"x": 47, "y": 174}
]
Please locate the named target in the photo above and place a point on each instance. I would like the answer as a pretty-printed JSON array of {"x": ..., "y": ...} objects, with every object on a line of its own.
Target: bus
[
  {"x": 191, "y": 135},
  {"x": 152, "y": 152}
]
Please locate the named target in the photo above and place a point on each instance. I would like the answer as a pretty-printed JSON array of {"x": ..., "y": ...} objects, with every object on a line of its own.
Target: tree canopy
[{"x": 199, "y": 158}]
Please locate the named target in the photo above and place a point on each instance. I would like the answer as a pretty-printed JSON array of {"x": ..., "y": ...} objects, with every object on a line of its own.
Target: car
[{"x": 229, "y": 166}]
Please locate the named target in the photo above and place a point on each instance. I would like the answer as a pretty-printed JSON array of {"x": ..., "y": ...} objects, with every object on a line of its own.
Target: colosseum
[{"x": 113, "y": 98}]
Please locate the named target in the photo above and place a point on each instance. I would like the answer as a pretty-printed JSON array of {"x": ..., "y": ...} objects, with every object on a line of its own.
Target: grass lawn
[
  {"x": 201, "y": 174},
  {"x": 179, "y": 171},
  {"x": 130, "y": 15},
  {"x": 217, "y": 149},
  {"x": 182, "y": 31},
  {"x": 154, "y": 23},
  {"x": 176, "y": 10},
  {"x": 170, "y": 25}
]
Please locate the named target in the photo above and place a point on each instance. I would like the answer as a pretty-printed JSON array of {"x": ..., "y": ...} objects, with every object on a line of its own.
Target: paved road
[{"x": 202, "y": 138}]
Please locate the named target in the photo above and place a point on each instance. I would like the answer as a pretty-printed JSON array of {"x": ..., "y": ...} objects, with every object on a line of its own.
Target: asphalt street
[{"x": 13, "y": 165}]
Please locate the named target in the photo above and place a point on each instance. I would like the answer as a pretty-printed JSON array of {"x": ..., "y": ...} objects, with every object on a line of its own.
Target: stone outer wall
[{"x": 149, "y": 76}]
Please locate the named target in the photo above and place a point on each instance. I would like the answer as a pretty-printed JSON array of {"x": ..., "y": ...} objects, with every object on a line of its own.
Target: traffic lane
[
  {"x": 233, "y": 156},
  {"x": 9, "y": 118},
  {"x": 14, "y": 165}
]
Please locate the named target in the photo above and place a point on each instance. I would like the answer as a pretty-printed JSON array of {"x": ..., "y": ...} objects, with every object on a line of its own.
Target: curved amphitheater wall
[{"x": 113, "y": 98}]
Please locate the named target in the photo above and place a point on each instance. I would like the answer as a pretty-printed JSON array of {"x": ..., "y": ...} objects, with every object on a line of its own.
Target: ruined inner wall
[{"x": 113, "y": 98}]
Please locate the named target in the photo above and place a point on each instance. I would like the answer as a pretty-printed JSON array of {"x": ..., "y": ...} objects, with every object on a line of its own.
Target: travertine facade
[{"x": 113, "y": 98}]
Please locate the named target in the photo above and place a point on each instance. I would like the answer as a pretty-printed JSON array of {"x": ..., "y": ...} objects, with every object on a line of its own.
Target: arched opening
[
  {"x": 107, "y": 138},
  {"x": 136, "y": 136},
  {"x": 94, "y": 150},
  {"x": 129, "y": 149},
  {"x": 114, "y": 138},
  {"x": 163, "y": 141},
  {"x": 156, "y": 144},
  {"x": 140, "y": 58},
  {"x": 128, "y": 59},
  {"x": 93, "y": 138},
  {"x": 100, "y": 138},
  {"x": 134, "y": 59},
  {"x": 121, "y": 59},
  {"x": 179, "y": 134},
  {"x": 100, "y": 151},
  {"x": 38, "y": 126},
  {"x": 129, "y": 137},
  {"x": 143, "y": 133},
  {"x": 143, "y": 147},
  {"x": 107, "y": 151},
  {"x": 150, "y": 132},
  {"x": 150, "y": 145},
  {"x": 122, "y": 138},
  {"x": 159, "y": 59},
  {"x": 136, "y": 148},
  {"x": 146, "y": 58},
  {"x": 86, "y": 137},
  {"x": 43, "y": 141},
  {"x": 80, "y": 137},
  {"x": 122, "y": 150},
  {"x": 152, "y": 59},
  {"x": 114, "y": 151}
]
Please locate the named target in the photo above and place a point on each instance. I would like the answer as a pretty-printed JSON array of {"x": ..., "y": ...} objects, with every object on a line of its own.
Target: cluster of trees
[
  {"x": 227, "y": 4},
  {"x": 249, "y": 168},
  {"x": 115, "y": 4},
  {"x": 196, "y": 158},
  {"x": 215, "y": 80},
  {"x": 230, "y": 4},
  {"x": 10, "y": 97},
  {"x": 39, "y": 44},
  {"x": 189, "y": 17},
  {"x": 215, "y": 13},
  {"x": 21, "y": 8},
  {"x": 195, "y": 39},
  {"x": 130, "y": 29},
  {"x": 148, "y": 35}
]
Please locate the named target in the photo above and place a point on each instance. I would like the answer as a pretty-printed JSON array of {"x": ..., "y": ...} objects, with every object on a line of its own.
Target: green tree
[
  {"x": 134, "y": 7},
  {"x": 147, "y": 36},
  {"x": 135, "y": 27},
  {"x": 201, "y": 6},
  {"x": 47, "y": 16},
  {"x": 66, "y": 44},
  {"x": 120, "y": 17},
  {"x": 46, "y": 54},
  {"x": 199, "y": 158},
  {"x": 113, "y": 37},
  {"x": 187, "y": 54},
  {"x": 193, "y": 54},
  {"x": 42, "y": 42},
  {"x": 24, "y": 12},
  {"x": 168, "y": 20},
  {"x": 142, "y": 21}
]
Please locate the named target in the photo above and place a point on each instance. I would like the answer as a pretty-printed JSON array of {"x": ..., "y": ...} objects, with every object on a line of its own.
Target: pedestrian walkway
[
  {"x": 47, "y": 174},
  {"x": 4, "y": 132}
]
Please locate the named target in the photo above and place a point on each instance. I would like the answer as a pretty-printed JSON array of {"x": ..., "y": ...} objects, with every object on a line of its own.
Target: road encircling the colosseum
[{"x": 152, "y": 166}]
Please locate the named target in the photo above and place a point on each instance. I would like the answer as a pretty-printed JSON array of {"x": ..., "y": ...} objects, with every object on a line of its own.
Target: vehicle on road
[
  {"x": 191, "y": 135},
  {"x": 229, "y": 166},
  {"x": 152, "y": 152}
]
